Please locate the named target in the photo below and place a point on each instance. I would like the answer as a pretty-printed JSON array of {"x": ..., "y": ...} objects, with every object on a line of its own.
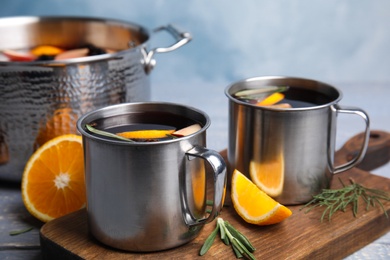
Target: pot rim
[{"x": 23, "y": 20}]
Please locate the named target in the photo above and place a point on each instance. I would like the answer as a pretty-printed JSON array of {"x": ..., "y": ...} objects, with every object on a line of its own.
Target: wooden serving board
[{"x": 301, "y": 236}]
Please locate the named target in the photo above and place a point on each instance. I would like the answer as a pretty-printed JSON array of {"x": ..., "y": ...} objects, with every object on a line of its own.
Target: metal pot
[{"x": 43, "y": 99}]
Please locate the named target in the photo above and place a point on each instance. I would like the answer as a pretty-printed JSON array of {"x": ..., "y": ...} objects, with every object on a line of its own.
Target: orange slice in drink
[
  {"x": 146, "y": 134},
  {"x": 271, "y": 99},
  {"x": 53, "y": 180},
  {"x": 254, "y": 205}
]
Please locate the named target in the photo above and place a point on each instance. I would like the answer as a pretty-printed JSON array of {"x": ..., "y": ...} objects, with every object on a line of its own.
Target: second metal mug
[{"x": 301, "y": 141}]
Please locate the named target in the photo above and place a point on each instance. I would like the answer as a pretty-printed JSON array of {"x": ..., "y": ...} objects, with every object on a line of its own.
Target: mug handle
[
  {"x": 217, "y": 163},
  {"x": 359, "y": 157}
]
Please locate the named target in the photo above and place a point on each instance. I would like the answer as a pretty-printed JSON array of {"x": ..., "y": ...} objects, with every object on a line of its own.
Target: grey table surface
[{"x": 210, "y": 98}]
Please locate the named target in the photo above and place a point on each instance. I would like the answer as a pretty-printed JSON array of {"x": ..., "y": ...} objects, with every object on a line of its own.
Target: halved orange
[
  {"x": 53, "y": 181},
  {"x": 146, "y": 134},
  {"x": 268, "y": 174},
  {"x": 254, "y": 205}
]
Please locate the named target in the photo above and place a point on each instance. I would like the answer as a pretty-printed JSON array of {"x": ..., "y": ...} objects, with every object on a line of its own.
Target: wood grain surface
[{"x": 302, "y": 236}]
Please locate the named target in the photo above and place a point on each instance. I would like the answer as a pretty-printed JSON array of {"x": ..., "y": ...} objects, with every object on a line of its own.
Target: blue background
[{"x": 331, "y": 40}]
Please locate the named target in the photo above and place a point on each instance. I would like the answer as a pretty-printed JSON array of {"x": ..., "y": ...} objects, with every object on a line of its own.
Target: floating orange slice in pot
[{"x": 46, "y": 50}]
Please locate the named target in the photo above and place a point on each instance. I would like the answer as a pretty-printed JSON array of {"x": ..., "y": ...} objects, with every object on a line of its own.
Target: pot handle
[
  {"x": 218, "y": 165},
  {"x": 181, "y": 38},
  {"x": 359, "y": 157}
]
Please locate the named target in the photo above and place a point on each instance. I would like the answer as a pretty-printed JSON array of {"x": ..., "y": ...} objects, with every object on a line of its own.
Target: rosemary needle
[
  {"x": 107, "y": 134},
  {"x": 18, "y": 232},
  {"x": 237, "y": 234},
  {"x": 223, "y": 234},
  {"x": 209, "y": 241}
]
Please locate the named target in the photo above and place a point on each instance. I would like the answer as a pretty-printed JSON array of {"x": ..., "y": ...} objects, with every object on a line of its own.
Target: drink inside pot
[
  {"x": 49, "y": 52},
  {"x": 282, "y": 97},
  {"x": 145, "y": 127}
]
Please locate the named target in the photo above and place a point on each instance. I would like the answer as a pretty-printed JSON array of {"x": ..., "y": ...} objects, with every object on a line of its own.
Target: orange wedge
[
  {"x": 53, "y": 182},
  {"x": 254, "y": 205},
  {"x": 146, "y": 134},
  {"x": 268, "y": 174}
]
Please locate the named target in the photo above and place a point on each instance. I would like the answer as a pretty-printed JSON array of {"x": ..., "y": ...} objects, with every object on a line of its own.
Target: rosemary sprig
[
  {"x": 230, "y": 236},
  {"x": 339, "y": 199},
  {"x": 107, "y": 134}
]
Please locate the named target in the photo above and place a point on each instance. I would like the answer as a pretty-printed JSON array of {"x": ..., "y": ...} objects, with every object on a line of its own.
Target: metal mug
[
  {"x": 299, "y": 141},
  {"x": 149, "y": 196}
]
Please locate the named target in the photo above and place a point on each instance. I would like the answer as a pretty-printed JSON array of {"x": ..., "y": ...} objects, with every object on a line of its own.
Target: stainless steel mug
[
  {"x": 149, "y": 196},
  {"x": 292, "y": 148}
]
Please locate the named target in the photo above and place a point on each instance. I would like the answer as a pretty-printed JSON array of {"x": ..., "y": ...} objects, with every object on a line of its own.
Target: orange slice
[
  {"x": 254, "y": 205},
  {"x": 268, "y": 174},
  {"x": 53, "y": 182},
  {"x": 271, "y": 99},
  {"x": 146, "y": 134}
]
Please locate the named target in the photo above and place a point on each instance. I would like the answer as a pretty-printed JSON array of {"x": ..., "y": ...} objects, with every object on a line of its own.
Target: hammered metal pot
[{"x": 43, "y": 99}]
